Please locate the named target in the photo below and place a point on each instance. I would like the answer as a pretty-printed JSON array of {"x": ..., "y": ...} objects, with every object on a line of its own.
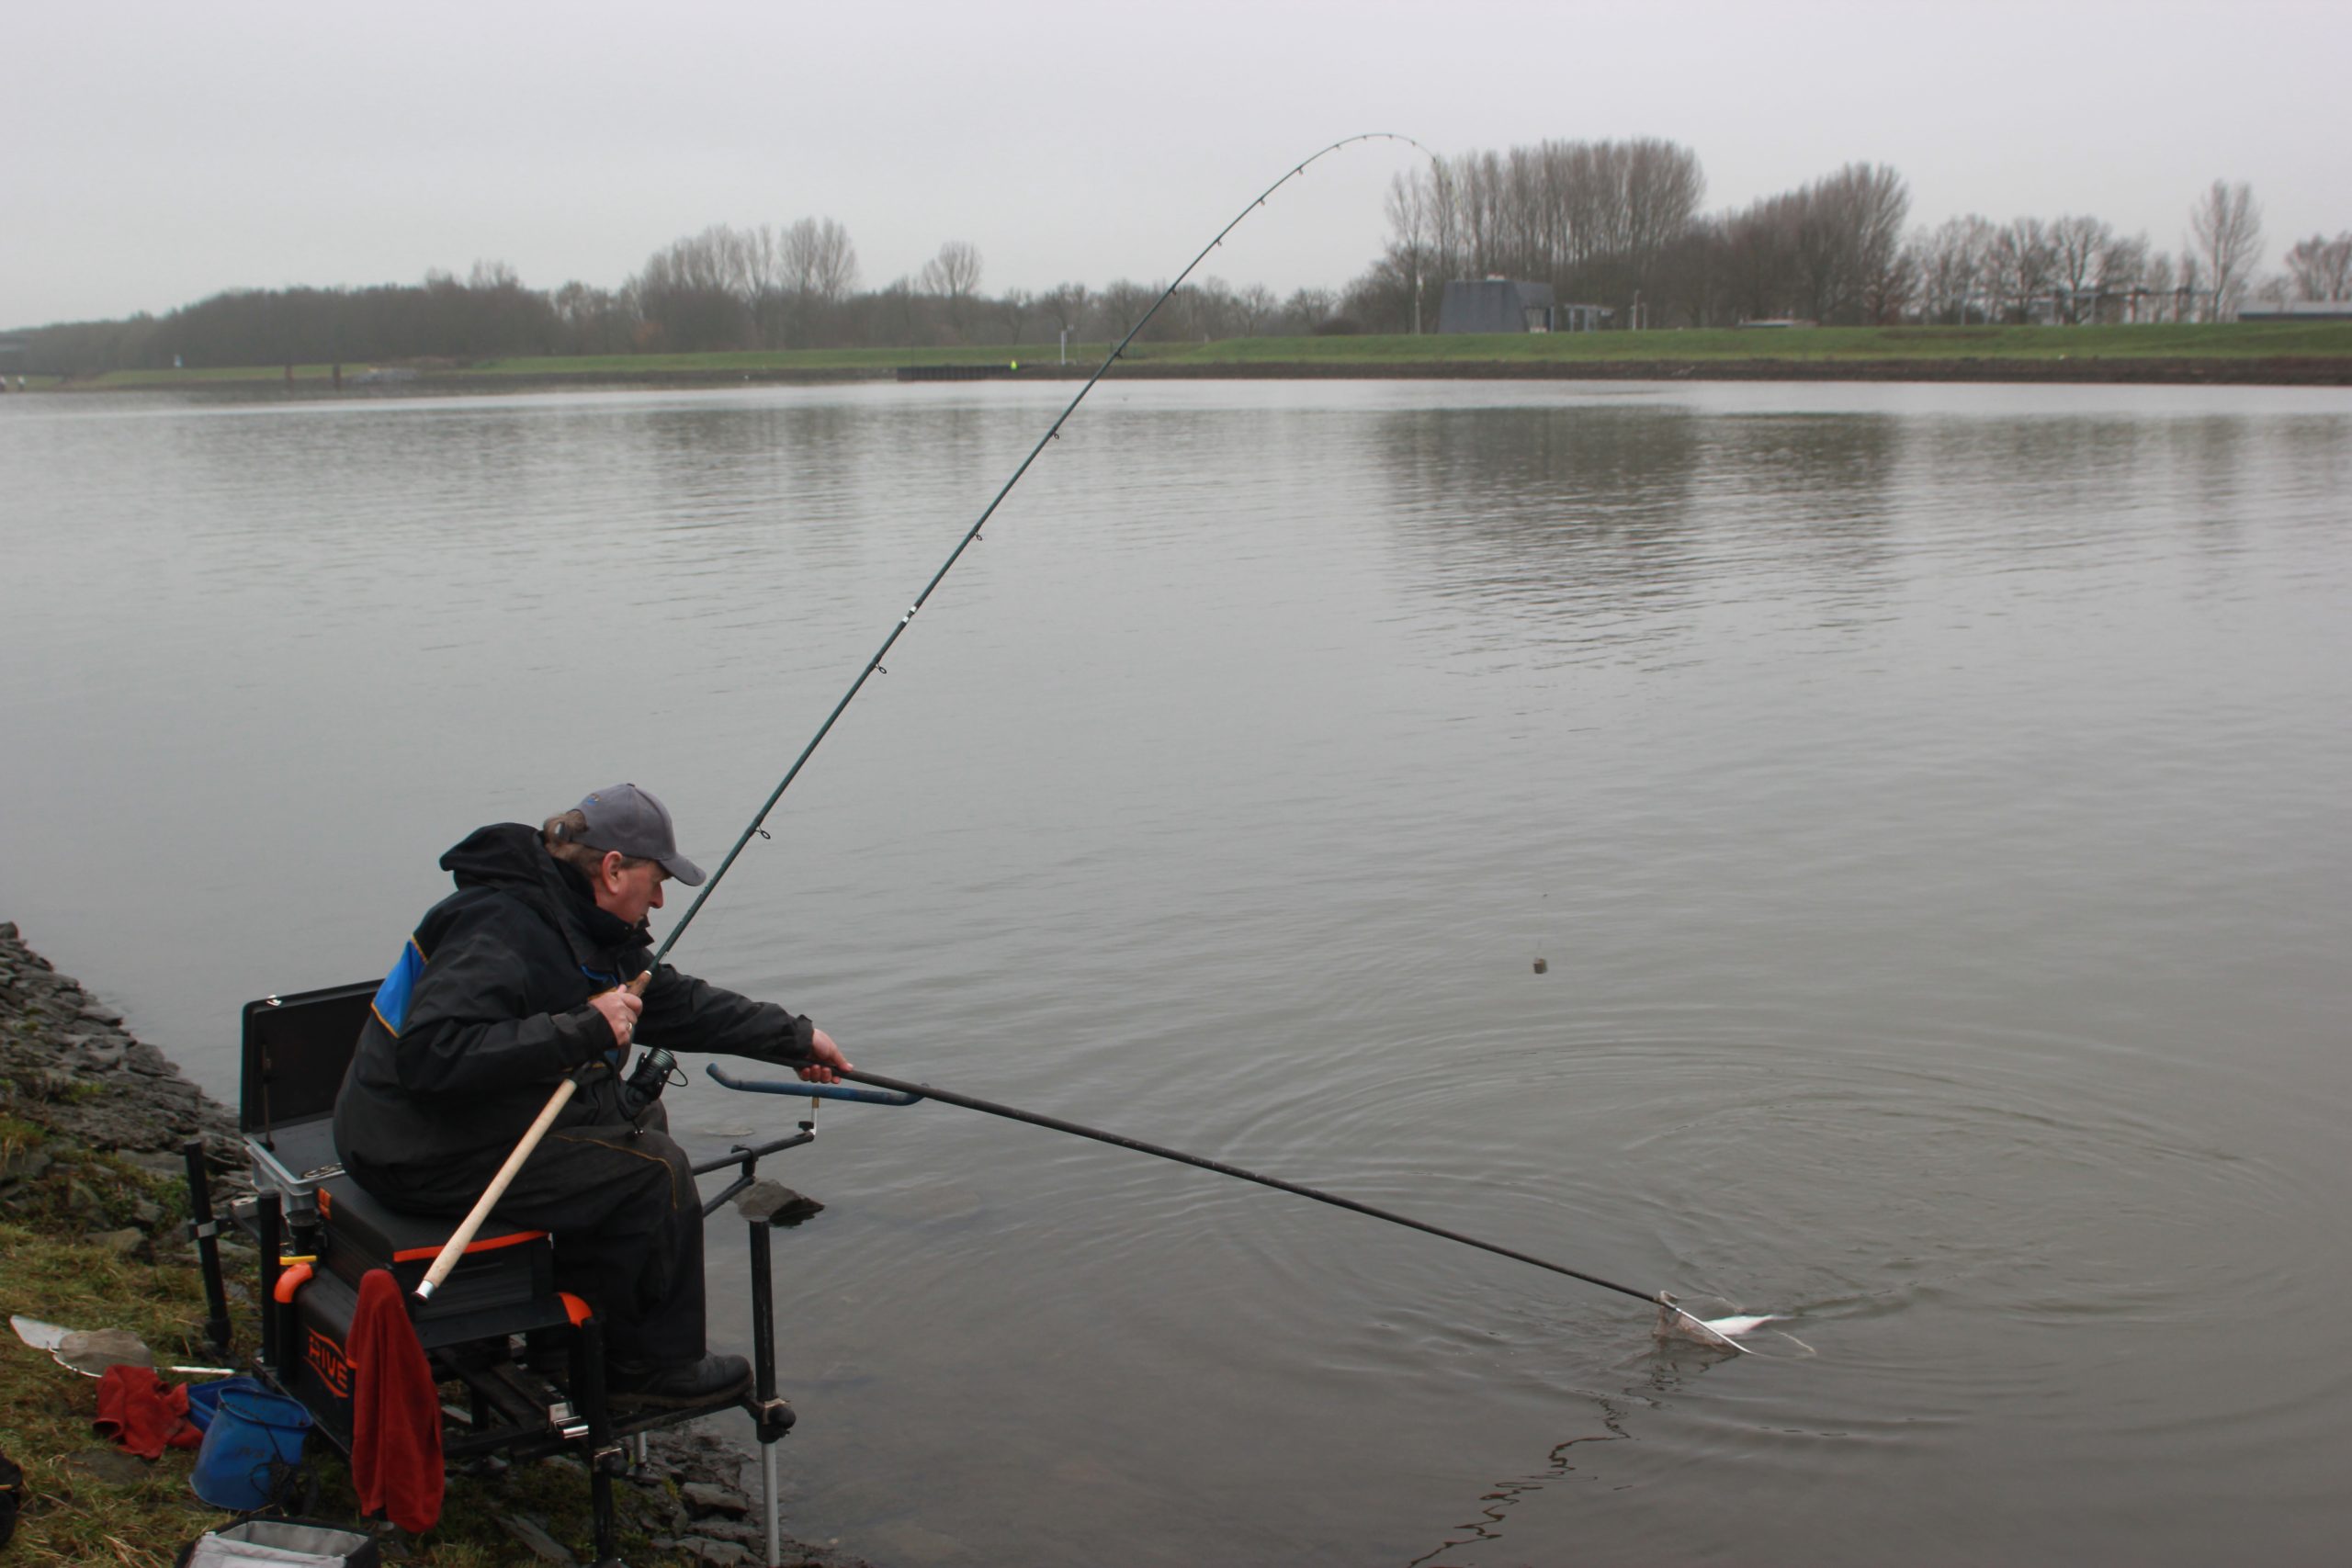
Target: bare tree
[
  {"x": 763, "y": 286},
  {"x": 1848, "y": 245},
  {"x": 892, "y": 318},
  {"x": 1306, "y": 310},
  {"x": 818, "y": 262},
  {"x": 1013, "y": 307},
  {"x": 1953, "y": 260},
  {"x": 2077, "y": 245},
  {"x": 1412, "y": 224},
  {"x": 1381, "y": 299},
  {"x": 1755, "y": 256},
  {"x": 1065, "y": 305},
  {"x": 1121, "y": 304},
  {"x": 2188, "y": 289},
  {"x": 1592, "y": 219},
  {"x": 2320, "y": 268},
  {"x": 954, "y": 274},
  {"x": 2122, "y": 276},
  {"x": 2227, "y": 227},
  {"x": 2023, "y": 264},
  {"x": 1253, "y": 308},
  {"x": 695, "y": 294},
  {"x": 2157, "y": 287},
  {"x": 593, "y": 320}
]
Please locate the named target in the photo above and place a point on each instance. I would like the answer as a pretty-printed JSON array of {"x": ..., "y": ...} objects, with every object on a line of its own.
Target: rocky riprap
[{"x": 69, "y": 1066}]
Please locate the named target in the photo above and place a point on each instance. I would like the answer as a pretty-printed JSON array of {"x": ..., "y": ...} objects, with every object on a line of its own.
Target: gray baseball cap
[{"x": 631, "y": 820}]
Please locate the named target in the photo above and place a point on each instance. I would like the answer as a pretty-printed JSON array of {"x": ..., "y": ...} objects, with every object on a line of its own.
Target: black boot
[{"x": 679, "y": 1385}]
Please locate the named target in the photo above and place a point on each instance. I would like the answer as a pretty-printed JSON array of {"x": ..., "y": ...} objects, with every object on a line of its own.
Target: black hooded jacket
[{"x": 489, "y": 1008}]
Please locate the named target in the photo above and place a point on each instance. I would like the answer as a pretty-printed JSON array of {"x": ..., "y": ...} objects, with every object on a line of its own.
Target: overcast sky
[{"x": 156, "y": 154}]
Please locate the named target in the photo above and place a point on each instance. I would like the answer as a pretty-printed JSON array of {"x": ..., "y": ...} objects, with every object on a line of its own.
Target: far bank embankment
[
  {"x": 2300, "y": 372},
  {"x": 2223, "y": 354}
]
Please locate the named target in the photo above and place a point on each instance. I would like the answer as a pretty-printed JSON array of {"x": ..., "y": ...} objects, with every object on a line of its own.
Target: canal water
[{"x": 1875, "y": 855}]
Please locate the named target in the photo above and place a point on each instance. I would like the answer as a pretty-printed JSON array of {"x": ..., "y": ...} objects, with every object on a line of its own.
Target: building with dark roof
[{"x": 1500, "y": 305}]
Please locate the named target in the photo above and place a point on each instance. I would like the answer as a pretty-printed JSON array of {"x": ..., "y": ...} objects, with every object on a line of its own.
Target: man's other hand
[{"x": 826, "y": 1059}]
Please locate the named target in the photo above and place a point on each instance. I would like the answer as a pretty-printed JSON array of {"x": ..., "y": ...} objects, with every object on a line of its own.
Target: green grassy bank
[{"x": 2290, "y": 352}]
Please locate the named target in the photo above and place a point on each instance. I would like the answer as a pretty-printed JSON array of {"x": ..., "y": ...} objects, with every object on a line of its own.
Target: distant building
[
  {"x": 13, "y": 352},
  {"x": 1500, "y": 305}
]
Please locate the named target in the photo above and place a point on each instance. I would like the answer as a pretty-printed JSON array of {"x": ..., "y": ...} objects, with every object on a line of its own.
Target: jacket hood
[
  {"x": 511, "y": 858},
  {"x": 505, "y": 854}
]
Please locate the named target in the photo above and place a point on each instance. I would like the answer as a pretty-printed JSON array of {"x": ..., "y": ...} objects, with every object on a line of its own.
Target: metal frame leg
[
  {"x": 606, "y": 1454},
  {"x": 772, "y": 1416}
]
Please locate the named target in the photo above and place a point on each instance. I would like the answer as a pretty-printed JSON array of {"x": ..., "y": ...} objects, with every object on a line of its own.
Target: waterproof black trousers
[{"x": 621, "y": 1202}]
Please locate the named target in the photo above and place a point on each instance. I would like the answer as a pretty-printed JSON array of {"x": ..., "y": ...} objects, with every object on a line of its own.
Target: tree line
[
  {"x": 1615, "y": 225},
  {"x": 723, "y": 288}
]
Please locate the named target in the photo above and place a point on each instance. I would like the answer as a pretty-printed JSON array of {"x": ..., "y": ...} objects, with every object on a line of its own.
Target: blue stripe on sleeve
[{"x": 391, "y": 996}]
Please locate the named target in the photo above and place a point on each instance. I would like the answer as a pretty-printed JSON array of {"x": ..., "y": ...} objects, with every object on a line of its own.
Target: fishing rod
[
  {"x": 874, "y": 665},
  {"x": 898, "y": 1091},
  {"x": 465, "y": 1233}
]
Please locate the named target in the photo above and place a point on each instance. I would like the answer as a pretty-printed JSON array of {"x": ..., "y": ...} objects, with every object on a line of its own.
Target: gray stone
[
  {"x": 98, "y": 1013},
  {"x": 707, "y": 1497},
  {"x": 126, "y": 1242},
  {"x": 109, "y": 1464},
  {"x": 716, "y": 1553},
  {"x": 540, "y": 1544},
  {"x": 30, "y": 1165}
]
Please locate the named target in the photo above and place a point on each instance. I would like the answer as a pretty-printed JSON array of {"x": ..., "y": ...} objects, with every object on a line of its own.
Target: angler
[{"x": 512, "y": 983}]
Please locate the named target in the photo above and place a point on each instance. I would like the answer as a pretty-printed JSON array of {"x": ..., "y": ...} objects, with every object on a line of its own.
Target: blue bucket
[
  {"x": 251, "y": 1430},
  {"x": 204, "y": 1399}
]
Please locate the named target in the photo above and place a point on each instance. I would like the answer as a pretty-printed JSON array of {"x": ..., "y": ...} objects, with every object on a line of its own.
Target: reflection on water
[
  {"x": 1927, "y": 801},
  {"x": 1598, "y": 531},
  {"x": 1490, "y": 1525},
  {"x": 1570, "y": 524}
]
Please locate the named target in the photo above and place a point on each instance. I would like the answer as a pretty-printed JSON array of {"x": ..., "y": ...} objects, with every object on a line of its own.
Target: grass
[
  {"x": 2232, "y": 341},
  {"x": 86, "y": 1503}
]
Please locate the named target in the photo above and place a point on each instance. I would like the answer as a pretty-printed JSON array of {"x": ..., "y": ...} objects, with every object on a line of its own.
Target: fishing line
[
  {"x": 1673, "y": 1321},
  {"x": 874, "y": 665}
]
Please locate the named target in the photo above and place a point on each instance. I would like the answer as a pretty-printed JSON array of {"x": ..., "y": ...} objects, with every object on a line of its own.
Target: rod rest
[{"x": 812, "y": 1091}]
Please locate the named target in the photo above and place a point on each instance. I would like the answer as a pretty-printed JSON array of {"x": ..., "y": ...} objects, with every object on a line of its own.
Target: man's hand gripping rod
[{"x": 471, "y": 1225}]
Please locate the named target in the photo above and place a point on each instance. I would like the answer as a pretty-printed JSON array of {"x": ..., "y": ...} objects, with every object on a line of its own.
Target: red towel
[
  {"x": 395, "y": 1410},
  {"x": 143, "y": 1413}
]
